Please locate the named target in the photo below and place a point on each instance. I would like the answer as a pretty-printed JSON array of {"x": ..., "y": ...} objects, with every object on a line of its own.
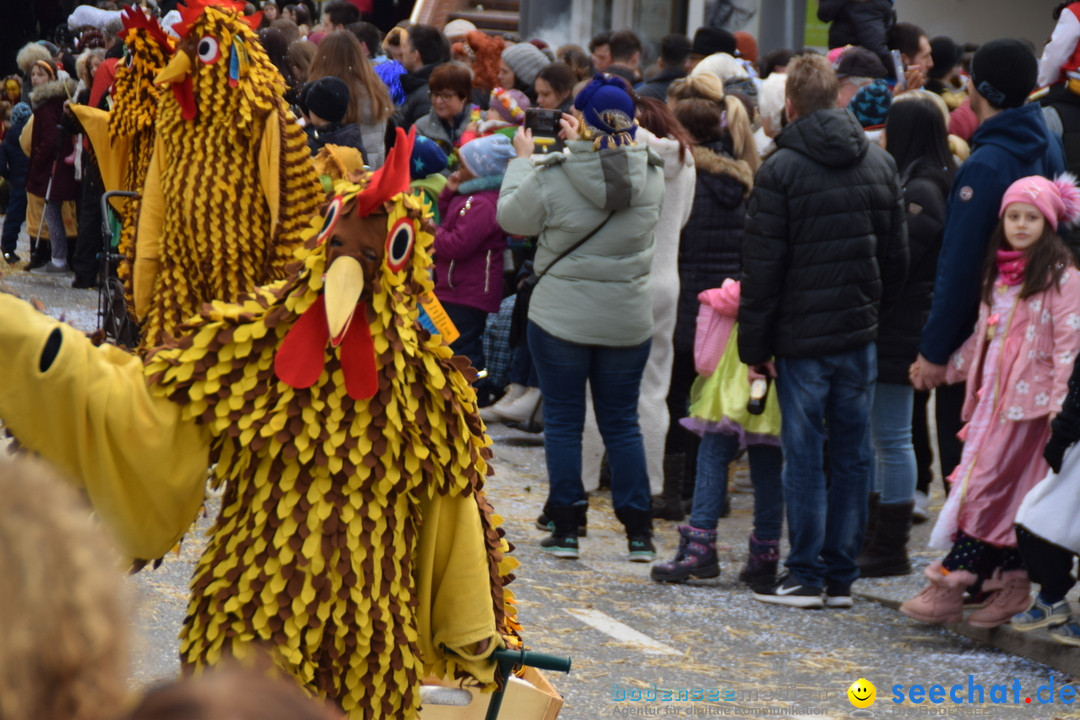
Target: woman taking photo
[{"x": 592, "y": 210}]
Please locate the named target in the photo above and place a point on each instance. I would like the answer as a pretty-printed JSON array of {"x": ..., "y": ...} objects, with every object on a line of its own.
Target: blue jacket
[
  {"x": 1013, "y": 144},
  {"x": 13, "y": 161}
]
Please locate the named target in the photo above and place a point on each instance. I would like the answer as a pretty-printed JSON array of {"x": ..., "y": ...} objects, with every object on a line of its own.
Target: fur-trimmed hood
[
  {"x": 63, "y": 89},
  {"x": 714, "y": 163},
  {"x": 30, "y": 54}
]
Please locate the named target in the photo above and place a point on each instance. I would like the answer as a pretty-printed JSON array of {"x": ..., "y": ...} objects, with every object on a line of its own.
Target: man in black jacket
[
  {"x": 825, "y": 247},
  {"x": 426, "y": 49},
  {"x": 674, "y": 50}
]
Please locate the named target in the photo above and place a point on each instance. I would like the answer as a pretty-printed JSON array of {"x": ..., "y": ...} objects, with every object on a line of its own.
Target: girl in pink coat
[{"x": 1017, "y": 366}]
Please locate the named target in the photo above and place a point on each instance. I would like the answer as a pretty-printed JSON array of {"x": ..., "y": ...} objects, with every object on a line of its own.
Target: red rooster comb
[
  {"x": 195, "y": 8},
  {"x": 135, "y": 19},
  {"x": 392, "y": 178}
]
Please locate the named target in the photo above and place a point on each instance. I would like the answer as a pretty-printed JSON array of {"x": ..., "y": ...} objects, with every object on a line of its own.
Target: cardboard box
[{"x": 530, "y": 697}]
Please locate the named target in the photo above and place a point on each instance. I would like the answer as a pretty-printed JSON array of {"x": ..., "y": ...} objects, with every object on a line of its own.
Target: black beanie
[
  {"x": 710, "y": 40},
  {"x": 327, "y": 97},
  {"x": 1004, "y": 72}
]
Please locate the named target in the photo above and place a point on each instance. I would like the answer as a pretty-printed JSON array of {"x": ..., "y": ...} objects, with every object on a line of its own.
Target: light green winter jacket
[{"x": 599, "y": 294}]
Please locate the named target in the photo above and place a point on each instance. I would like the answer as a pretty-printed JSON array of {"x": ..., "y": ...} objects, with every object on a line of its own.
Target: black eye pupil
[
  {"x": 204, "y": 47},
  {"x": 401, "y": 244},
  {"x": 336, "y": 243}
]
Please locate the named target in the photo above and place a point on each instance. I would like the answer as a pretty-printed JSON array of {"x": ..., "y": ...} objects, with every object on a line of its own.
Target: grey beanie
[{"x": 526, "y": 60}]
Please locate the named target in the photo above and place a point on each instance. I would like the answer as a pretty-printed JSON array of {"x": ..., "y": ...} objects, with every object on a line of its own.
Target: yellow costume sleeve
[
  {"x": 148, "y": 234},
  {"x": 454, "y": 589},
  {"x": 270, "y": 167},
  {"x": 88, "y": 411},
  {"x": 26, "y": 139},
  {"x": 112, "y": 153}
]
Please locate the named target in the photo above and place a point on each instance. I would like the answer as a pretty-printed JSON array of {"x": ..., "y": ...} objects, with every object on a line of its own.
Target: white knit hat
[{"x": 526, "y": 61}]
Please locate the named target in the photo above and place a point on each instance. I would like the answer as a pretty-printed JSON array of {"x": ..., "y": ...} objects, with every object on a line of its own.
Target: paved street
[{"x": 631, "y": 639}]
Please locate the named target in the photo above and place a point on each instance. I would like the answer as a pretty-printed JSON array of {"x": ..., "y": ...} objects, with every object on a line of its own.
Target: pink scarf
[{"x": 1011, "y": 265}]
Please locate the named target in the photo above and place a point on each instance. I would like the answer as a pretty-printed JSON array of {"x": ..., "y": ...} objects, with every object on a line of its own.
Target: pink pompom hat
[{"x": 1058, "y": 200}]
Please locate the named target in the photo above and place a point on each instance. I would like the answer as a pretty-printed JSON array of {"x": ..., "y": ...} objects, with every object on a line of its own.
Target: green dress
[{"x": 718, "y": 402}]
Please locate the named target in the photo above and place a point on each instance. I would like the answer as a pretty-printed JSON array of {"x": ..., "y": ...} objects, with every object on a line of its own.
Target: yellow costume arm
[
  {"x": 112, "y": 154},
  {"x": 26, "y": 139},
  {"x": 270, "y": 166},
  {"x": 454, "y": 589},
  {"x": 88, "y": 411},
  {"x": 148, "y": 233}
]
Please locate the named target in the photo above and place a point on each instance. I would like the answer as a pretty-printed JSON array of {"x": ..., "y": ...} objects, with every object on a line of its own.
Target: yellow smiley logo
[{"x": 862, "y": 693}]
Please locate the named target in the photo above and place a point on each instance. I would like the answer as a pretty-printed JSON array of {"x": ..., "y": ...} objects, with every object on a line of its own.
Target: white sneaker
[
  {"x": 921, "y": 512},
  {"x": 519, "y": 409}
]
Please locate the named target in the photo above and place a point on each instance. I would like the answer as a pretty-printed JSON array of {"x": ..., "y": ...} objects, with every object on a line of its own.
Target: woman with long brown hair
[{"x": 339, "y": 54}]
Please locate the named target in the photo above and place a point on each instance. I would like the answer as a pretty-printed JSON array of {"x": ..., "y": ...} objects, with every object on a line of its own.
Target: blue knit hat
[
  {"x": 427, "y": 158},
  {"x": 487, "y": 156},
  {"x": 607, "y": 107},
  {"x": 20, "y": 115},
  {"x": 871, "y": 103}
]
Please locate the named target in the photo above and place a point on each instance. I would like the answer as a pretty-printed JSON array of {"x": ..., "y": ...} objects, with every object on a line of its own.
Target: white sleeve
[{"x": 1060, "y": 48}]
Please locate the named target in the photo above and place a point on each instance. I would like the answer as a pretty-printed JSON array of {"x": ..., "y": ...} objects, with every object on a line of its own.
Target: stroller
[{"x": 114, "y": 320}]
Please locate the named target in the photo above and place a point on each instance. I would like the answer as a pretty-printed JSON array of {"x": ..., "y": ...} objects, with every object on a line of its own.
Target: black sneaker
[
  {"x": 11, "y": 258},
  {"x": 789, "y": 591},
  {"x": 561, "y": 546},
  {"x": 838, "y": 596},
  {"x": 545, "y": 524},
  {"x": 641, "y": 549}
]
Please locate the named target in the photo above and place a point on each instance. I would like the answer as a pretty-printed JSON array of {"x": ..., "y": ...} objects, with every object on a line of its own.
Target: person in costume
[
  {"x": 230, "y": 183},
  {"x": 354, "y": 541},
  {"x": 1017, "y": 365}
]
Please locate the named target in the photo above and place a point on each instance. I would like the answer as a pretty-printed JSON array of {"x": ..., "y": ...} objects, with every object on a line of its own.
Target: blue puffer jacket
[
  {"x": 13, "y": 161},
  {"x": 1013, "y": 144}
]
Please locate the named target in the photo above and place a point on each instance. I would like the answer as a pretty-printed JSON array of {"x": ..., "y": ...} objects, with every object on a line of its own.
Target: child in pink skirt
[{"x": 1017, "y": 366}]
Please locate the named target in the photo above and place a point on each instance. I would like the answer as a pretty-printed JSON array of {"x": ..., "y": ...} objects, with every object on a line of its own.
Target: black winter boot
[
  {"x": 696, "y": 557},
  {"x": 563, "y": 541},
  {"x": 638, "y": 525},
  {"x": 761, "y": 563},
  {"x": 40, "y": 253},
  {"x": 668, "y": 505},
  {"x": 885, "y": 555},
  {"x": 543, "y": 522}
]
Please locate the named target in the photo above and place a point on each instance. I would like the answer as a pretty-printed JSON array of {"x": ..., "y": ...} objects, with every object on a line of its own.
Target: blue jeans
[
  {"x": 826, "y": 397},
  {"x": 470, "y": 323},
  {"x": 614, "y": 374},
  {"x": 16, "y": 215},
  {"x": 890, "y": 423},
  {"x": 715, "y": 453}
]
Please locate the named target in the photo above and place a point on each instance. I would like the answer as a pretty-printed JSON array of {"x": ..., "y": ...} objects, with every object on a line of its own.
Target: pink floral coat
[{"x": 1042, "y": 343}]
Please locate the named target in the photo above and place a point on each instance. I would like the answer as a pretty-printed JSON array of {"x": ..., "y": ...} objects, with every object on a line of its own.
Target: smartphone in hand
[
  {"x": 898, "y": 69},
  {"x": 545, "y": 127}
]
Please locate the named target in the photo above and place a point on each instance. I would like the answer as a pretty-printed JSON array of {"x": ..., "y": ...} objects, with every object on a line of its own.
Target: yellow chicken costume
[
  {"x": 123, "y": 138},
  {"x": 230, "y": 185},
  {"x": 354, "y": 540}
]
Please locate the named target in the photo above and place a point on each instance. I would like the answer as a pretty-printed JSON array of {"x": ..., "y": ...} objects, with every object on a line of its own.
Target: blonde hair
[
  {"x": 340, "y": 54},
  {"x": 63, "y": 619},
  {"x": 707, "y": 86},
  {"x": 812, "y": 84}
]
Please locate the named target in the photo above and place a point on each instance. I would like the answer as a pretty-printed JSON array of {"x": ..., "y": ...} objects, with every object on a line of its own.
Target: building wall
[{"x": 982, "y": 20}]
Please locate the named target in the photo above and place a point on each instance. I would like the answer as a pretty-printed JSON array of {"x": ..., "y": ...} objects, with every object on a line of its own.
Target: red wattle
[
  {"x": 185, "y": 98},
  {"x": 300, "y": 359},
  {"x": 358, "y": 358}
]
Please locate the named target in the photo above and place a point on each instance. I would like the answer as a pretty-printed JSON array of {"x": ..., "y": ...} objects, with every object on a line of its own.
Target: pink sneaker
[{"x": 1011, "y": 595}]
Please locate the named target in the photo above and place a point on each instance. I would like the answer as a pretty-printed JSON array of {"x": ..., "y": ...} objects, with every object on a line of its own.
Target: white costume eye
[
  {"x": 208, "y": 50},
  {"x": 399, "y": 244},
  {"x": 330, "y": 220}
]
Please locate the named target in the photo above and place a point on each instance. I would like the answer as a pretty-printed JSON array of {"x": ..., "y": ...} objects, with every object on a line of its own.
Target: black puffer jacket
[
  {"x": 343, "y": 134},
  {"x": 710, "y": 247},
  {"x": 417, "y": 102},
  {"x": 826, "y": 243},
  {"x": 925, "y": 190},
  {"x": 860, "y": 22}
]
